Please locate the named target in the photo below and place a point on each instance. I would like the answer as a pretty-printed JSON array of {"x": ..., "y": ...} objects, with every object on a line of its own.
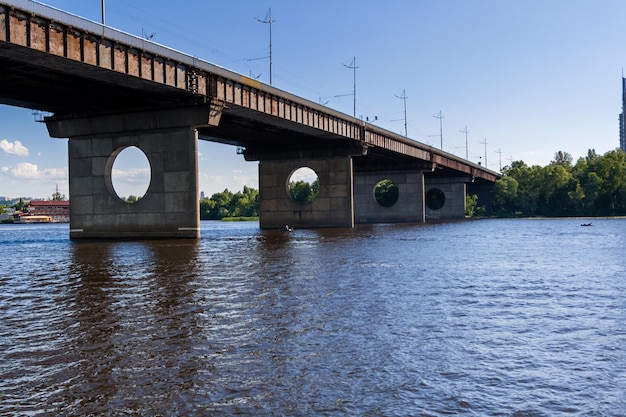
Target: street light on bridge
[
  {"x": 404, "y": 97},
  {"x": 440, "y": 117},
  {"x": 268, "y": 19},
  {"x": 466, "y": 146},
  {"x": 353, "y": 66}
]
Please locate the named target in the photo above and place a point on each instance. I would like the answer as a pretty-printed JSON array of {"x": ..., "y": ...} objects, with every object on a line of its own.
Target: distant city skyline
[
  {"x": 622, "y": 118},
  {"x": 520, "y": 81}
]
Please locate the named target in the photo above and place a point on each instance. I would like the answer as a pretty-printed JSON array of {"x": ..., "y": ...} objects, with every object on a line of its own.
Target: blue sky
[{"x": 530, "y": 77}]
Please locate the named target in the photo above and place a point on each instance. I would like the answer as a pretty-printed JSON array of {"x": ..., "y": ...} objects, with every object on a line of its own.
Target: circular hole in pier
[
  {"x": 303, "y": 185},
  {"x": 130, "y": 174},
  {"x": 435, "y": 199},
  {"x": 386, "y": 193}
]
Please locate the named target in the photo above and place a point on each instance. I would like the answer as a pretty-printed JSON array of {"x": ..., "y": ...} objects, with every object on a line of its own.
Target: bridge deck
[{"x": 46, "y": 53}]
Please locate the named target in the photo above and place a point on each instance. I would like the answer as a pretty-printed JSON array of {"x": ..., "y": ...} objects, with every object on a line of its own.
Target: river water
[{"x": 485, "y": 318}]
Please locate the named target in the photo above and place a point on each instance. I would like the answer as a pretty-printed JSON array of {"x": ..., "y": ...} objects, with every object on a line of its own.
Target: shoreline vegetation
[
  {"x": 595, "y": 186},
  {"x": 241, "y": 219}
]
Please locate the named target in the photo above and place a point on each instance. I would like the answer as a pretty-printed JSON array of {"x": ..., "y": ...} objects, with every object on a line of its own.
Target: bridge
[{"x": 107, "y": 90}]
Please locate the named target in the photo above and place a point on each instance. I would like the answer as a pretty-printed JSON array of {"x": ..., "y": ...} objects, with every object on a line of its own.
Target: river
[{"x": 523, "y": 317}]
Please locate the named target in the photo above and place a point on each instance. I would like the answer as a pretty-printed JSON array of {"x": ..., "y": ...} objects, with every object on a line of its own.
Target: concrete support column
[
  {"x": 333, "y": 206},
  {"x": 445, "y": 197},
  {"x": 408, "y": 208},
  {"x": 170, "y": 207}
]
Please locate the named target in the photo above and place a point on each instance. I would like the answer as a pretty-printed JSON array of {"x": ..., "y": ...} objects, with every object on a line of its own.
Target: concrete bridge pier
[
  {"x": 334, "y": 204},
  {"x": 409, "y": 208},
  {"x": 444, "y": 197},
  {"x": 168, "y": 138}
]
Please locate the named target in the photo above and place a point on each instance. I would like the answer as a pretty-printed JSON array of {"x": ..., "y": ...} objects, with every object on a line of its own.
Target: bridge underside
[{"x": 348, "y": 174}]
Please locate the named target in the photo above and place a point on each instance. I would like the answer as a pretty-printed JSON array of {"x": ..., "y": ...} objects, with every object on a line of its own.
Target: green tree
[
  {"x": 595, "y": 185},
  {"x": 303, "y": 192},
  {"x": 612, "y": 197},
  {"x": 206, "y": 208},
  {"x": 470, "y": 204},
  {"x": 554, "y": 185},
  {"x": 562, "y": 158},
  {"x": 227, "y": 204},
  {"x": 246, "y": 203},
  {"x": 131, "y": 199},
  {"x": 527, "y": 194},
  {"x": 505, "y": 197},
  {"x": 592, "y": 188},
  {"x": 386, "y": 193},
  {"x": 220, "y": 206},
  {"x": 19, "y": 205}
]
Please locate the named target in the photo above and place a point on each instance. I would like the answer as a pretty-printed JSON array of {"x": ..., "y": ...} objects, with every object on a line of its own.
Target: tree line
[
  {"x": 243, "y": 204},
  {"x": 594, "y": 186}
]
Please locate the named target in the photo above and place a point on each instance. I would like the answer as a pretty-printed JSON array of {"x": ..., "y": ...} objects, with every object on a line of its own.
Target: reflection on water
[
  {"x": 499, "y": 317},
  {"x": 134, "y": 314}
]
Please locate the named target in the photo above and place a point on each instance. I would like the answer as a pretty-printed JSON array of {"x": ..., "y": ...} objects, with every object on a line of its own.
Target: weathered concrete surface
[
  {"x": 408, "y": 208},
  {"x": 454, "y": 190},
  {"x": 169, "y": 209},
  {"x": 333, "y": 206}
]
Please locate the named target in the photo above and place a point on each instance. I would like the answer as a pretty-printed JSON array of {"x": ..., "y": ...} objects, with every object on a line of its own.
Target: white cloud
[
  {"x": 13, "y": 148},
  {"x": 28, "y": 171},
  {"x": 132, "y": 175},
  {"x": 133, "y": 181},
  {"x": 25, "y": 170}
]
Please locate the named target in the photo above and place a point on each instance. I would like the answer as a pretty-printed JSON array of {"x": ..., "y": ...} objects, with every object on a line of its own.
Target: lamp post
[
  {"x": 268, "y": 19},
  {"x": 484, "y": 142},
  {"x": 353, "y": 67},
  {"x": 466, "y": 147},
  {"x": 440, "y": 117},
  {"x": 404, "y": 97}
]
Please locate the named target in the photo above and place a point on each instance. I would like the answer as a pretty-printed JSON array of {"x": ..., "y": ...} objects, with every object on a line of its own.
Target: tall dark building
[{"x": 622, "y": 124}]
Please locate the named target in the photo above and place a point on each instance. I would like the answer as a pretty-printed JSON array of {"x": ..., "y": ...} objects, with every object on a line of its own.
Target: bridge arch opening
[
  {"x": 128, "y": 174},
  {"x": 386, "y": 193},
  {"x": 303, "y": 185},
  {"x": 435, "y": 199}
]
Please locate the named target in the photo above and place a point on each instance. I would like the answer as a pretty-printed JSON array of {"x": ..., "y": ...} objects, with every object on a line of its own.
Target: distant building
[
  {"x": 58, "y": 211},
  {"x": 622, "y": 121}
]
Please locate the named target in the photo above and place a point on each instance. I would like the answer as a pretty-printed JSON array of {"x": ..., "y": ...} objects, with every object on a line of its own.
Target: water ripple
[{"x": 499, "y": 317}]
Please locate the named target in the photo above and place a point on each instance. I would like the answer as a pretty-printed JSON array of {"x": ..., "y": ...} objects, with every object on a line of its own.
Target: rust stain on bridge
[{"x": 44, "y": 53}]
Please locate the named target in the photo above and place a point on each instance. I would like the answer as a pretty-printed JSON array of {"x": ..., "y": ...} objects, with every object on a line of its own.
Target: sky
[{"x": 525, "y": 79}]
